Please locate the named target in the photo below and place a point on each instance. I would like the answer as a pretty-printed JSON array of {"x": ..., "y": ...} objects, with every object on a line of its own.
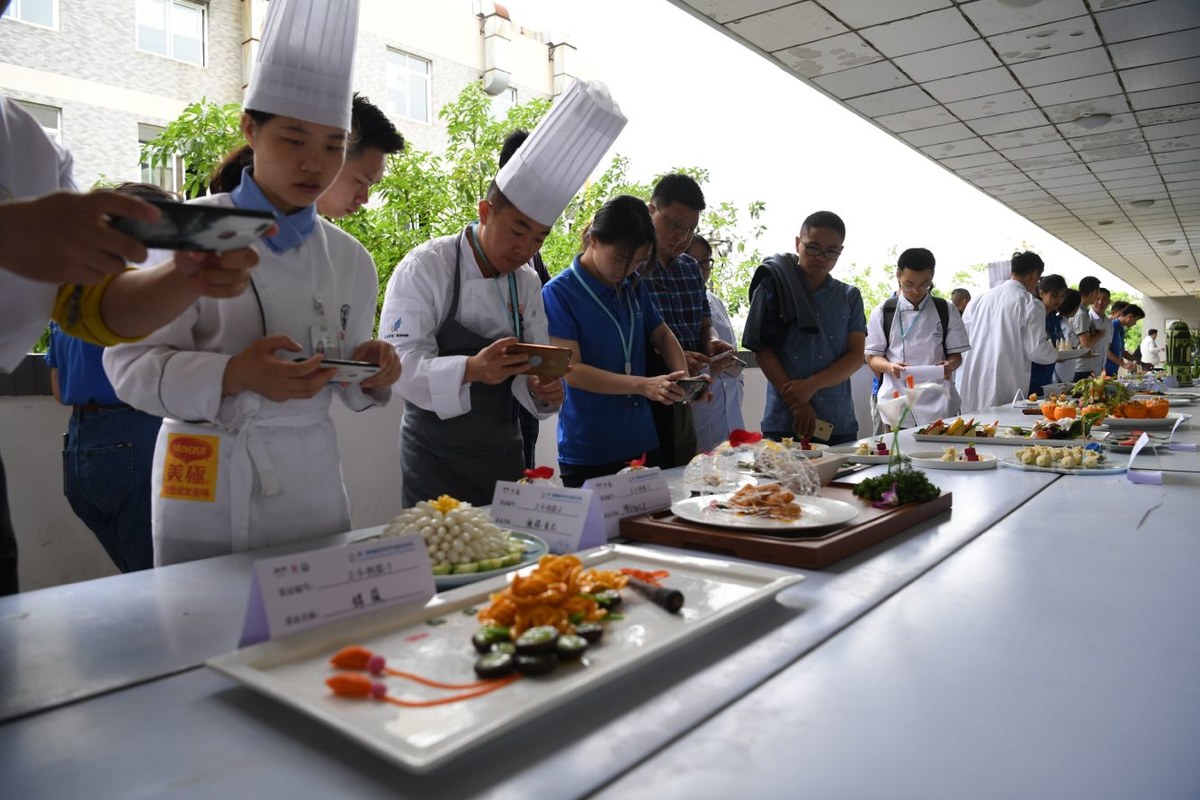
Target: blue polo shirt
[
  {"x": 81, "y": 378},
  {"x": 602, "y": 428},
  {"x": 1116, "y": 344}
]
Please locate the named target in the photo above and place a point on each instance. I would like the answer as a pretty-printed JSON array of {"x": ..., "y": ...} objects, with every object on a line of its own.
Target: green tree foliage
[
  {"x": 202, "y": 136},
  {"x": 424, "y": 195}
]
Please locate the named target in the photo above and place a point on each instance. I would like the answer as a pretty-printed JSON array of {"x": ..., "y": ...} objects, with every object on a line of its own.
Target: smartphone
[
  {"x": 693, "y": 388},
  {"x": 545, "y": 360},
  {"x": 347, "y": 371},
  {"x": 188, "y": 226},
  {"x": 728, "y": 354},
  {"x": 822, "y": 430}
]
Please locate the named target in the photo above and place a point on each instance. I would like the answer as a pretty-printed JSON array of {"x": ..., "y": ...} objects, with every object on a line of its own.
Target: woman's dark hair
[
  {"x": 228, "y": 174},
  {"x": 624, "y": 220},
  {"x": 1070, "y": 303},
  {"x": 1051, "y": 283}
]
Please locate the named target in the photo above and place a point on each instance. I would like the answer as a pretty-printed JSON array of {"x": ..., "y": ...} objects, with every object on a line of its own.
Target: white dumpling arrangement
[{"x": 458, "y": 536}]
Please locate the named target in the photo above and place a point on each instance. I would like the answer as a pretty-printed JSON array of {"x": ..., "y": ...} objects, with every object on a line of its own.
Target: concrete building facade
[{"x": 105, "y": 75}]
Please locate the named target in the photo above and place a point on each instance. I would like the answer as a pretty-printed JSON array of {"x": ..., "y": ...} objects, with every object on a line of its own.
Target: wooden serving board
[{"x": 821, "y": 549}]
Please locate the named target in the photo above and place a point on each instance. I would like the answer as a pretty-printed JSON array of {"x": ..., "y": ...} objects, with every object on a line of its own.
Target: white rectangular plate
[
  {"x": 1019, "y": 441},
  {"x": 1145, "y": 423},
  {"x": 293, "y": 670},
  {"x": 933, "y": 460}
]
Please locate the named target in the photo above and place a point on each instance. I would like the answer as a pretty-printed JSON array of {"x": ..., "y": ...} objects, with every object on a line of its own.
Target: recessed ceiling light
[
  {"x": 1019, "y": 3},
  {"x": 1189, "y": 281},
  {"x": 1166, "y": 241},
  {"x": 1182, "y": 266},
  {"x": 1143, "y": 203},
  {"x": 1105, "y": 222},
  {"x": 1172, "y": 252},
  {"x": 1092, "y": 121}
]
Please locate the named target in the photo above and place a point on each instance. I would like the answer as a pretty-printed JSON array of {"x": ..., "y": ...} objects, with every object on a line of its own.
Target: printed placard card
[
  {"x": 1147, "y": 476},
  {"x": 565, "y": 518},
  {"x": 292, "y": 593},
  {"x": 628, "y": 493}
]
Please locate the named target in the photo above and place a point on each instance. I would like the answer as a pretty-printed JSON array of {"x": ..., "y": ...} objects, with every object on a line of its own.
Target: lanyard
[
  {"x": 626, "y": 343},
  {"x": 513, "y": 304},
  {"x": 904, "y": 332}
]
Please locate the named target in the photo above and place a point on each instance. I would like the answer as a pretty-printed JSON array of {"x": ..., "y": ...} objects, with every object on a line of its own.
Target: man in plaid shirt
[{"x": 677, "y": 287}]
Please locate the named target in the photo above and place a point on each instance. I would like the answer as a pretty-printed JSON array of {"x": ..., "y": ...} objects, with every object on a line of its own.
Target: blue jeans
[{"x": 107, "y": 457}]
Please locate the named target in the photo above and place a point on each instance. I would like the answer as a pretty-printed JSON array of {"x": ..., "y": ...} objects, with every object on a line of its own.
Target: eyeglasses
[
  {"x": 677, "y": 225},
  {"x": 915, "y": 287},
  {"x": 828, "y": 253}
]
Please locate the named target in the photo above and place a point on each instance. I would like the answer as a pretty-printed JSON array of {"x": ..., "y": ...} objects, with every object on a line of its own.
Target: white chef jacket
[
  {"x": 31, "y": 164},
  {"x": 714, "y": 420},
  {"x": 1007, "y": 326},
  {"x": 279, "y": 473},
  {"x": 916, "y": 339},
  {"x": 1151, "y": 353},
  {"x": 415, "y": 306}
]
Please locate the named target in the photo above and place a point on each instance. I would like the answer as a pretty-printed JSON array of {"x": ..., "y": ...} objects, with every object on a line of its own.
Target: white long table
[{"x": 230, "y": 739}]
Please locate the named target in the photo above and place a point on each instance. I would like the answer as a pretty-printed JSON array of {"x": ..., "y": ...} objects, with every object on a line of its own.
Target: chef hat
[
  {"x": 553, "y": 163},
  {"x": 306, "y": 61}
]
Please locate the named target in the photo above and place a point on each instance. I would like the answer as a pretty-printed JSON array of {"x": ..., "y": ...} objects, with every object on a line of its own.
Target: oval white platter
[
  {"x": 1014, "y": 463},
  {"x": 847, "y": 450},
  {"x": 817, "y": 512},
  {"x": 933, "y": 460}
]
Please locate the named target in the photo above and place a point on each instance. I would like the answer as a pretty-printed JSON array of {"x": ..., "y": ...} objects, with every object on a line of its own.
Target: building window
[
  {"x": 501, "y": 103},
  {"x": 407, "y": 86},
  {"x": 49, "y": 117},
  {"x": 171, "y": 28},
  {"x": 35, "y": 12},
  {"x": 166, "y": 176}
]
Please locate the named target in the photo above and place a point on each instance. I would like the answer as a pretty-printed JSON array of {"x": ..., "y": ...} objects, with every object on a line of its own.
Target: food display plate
[
  {"x": 1014, "y": 463},
  {"x": 817, "y": 512},
  {"x": 435, "y": 641},
  {"x": 1145, "y": 424},
  {"x": 535, "y": 548},
  {"x": 1019, "y": 441},
  {"x": 813, "y": 550},
  {"x": 933, "y": 460},
  {"x": 847, "y": 450}
]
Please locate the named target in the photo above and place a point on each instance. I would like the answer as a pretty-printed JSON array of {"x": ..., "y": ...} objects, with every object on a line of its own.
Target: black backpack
[{"x": 943, "y": 309}]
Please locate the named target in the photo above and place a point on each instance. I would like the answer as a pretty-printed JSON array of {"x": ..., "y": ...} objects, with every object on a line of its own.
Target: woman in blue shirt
[{"x": 607, "y": 318}]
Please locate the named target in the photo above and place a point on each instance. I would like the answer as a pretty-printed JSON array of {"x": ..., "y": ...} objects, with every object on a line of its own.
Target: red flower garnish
[
  {"x": 638, "y": 462},
  {"x": 539, "y": 473},
  {"x": 740, "y": 437}
]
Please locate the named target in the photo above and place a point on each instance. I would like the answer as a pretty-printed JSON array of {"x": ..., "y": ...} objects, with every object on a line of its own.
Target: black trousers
[{"x": 8, "y": 541}]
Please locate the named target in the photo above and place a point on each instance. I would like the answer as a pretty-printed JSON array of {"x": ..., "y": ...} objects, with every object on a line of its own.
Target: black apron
[{"x": 463, "y": 456}]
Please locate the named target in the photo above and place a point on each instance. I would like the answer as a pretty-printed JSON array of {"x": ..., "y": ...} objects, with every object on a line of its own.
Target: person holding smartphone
[
  {"x": 456, "y": 304},
  {"x": 607, "y": 318},
  {"x": 247, "y": 455}
]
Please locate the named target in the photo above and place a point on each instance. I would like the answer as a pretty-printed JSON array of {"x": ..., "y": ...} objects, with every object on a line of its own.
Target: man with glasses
[
  {"x": 1007, "y": 326},
  {"x": 916, "y": 329},
  {"x": 808, "y": 330},
  {"x": 677, "y": 288}
]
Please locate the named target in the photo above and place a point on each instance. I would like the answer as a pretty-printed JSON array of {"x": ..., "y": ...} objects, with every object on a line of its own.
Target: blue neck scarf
[{"x": 293, "y": 228}]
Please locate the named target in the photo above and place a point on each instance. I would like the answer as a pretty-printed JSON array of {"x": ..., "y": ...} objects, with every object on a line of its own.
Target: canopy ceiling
[{"x": 1082, "y": 116}]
